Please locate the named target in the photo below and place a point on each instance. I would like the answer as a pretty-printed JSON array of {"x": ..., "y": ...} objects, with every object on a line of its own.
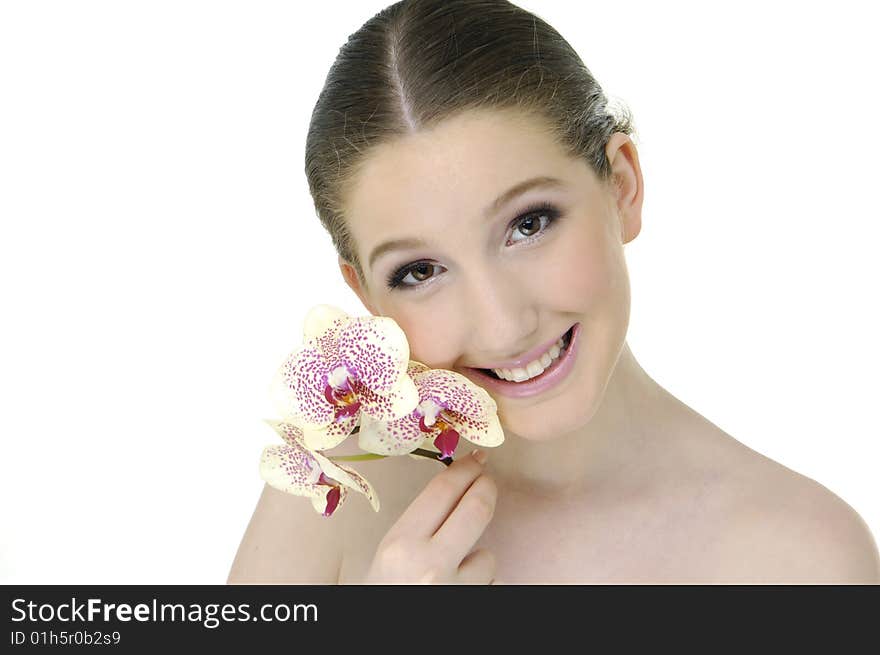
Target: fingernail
[{"x": 480, "y": 455}]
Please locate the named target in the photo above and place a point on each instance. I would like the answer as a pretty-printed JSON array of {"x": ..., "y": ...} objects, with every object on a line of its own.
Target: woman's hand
[{"x": 431, "y": 541}]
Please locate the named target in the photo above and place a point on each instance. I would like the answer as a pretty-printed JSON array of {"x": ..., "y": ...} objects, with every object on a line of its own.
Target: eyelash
[{"x": 545, "y": 209}]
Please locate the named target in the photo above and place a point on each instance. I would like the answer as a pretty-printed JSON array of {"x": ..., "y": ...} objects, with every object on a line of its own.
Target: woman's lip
[
  {"x": 555, "y": 373},
  {"x": 532, "y": 355}
]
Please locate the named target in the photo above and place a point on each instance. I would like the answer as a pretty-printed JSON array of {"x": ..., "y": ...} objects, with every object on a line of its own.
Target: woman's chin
[
  {"x": 553, "y": 418},
  {"x": 543, "y": 426}
]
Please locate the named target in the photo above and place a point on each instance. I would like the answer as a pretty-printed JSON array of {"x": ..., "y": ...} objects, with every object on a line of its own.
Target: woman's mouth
[{"x": 538, "y": 375}]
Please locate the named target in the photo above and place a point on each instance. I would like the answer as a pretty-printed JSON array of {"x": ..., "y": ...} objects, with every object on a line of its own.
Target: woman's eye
[
  {"x": 422, "y": 271},
  {"x": 413, "y": 275},
  {"x": 533, "y": 222},
  {"x": 530, "y": 225}
]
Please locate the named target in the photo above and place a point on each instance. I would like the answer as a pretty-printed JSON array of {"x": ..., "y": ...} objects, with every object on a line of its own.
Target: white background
[{"x": 159, "y": 250}]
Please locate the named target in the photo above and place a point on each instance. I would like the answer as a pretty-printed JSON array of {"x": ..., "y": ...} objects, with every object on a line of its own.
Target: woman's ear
[
  {"x": 349, "y": 274},
  {"x": 628, "y": 184}
]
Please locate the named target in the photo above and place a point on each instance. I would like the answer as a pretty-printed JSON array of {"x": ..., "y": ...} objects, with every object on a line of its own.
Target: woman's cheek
[
  {"x": 582, "y": 271},
  {"x": 426, "y": 344},
  {"x": 434, "y": 325}
]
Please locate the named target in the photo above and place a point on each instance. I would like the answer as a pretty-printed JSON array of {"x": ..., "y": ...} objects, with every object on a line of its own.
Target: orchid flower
[
  {"x": 295, "y": 469},
  {"x": 348, "y": 366},
  {"x": 450, "y": 406}
]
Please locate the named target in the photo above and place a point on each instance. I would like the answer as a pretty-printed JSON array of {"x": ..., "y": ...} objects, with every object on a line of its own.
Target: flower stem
[
  {"x": 418, "y": 451},
  {"x": 356, "y": 458},
  {"x": 430, "y": 454}
]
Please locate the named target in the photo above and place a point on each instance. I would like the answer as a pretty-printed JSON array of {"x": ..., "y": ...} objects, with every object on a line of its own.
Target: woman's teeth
[{"x": 534, "y": 368}]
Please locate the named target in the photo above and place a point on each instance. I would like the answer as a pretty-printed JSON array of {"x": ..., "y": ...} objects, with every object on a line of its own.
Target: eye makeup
[{"x": 395, "y": 280}]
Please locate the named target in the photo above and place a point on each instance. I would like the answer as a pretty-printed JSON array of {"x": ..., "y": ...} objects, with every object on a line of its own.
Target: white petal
[
  {"x": 321, "y": 319},
  {"x": 375, "y": 350},
  {"x": 297, "y": 389},
  {"x": 494, "y": 435},
  {"x": 282, "y": 397},
  {"x": 390, "y": 438},
  {"x": 397, "y": 403},
  {"x": 290, "y": 470},
  {"x": 329, "y": 436},
  {"x": 414, "y": 368},
  {"x": 350, "y": 478},
  {"x": 404, "y": 397}
]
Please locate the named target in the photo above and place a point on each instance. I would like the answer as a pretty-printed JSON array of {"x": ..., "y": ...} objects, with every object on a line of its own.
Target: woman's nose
[{"x": 503, "y": 313}]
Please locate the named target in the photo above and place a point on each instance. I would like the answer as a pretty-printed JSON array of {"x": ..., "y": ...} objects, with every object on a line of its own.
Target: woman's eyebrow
[
  {"x": 493, "y": 208},
  {"x": 396, "y": 244},
  {"x": 520, "y": 189}
]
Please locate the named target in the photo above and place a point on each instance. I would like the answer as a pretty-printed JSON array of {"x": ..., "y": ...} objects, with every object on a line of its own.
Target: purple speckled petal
[
  {"x": 294, "y": 469},
  {"x": 322, "y": 328},
  {"x": 414, "y": 368},
  {"x": 392, "y": 437},
  {"x": 349, "y": 478},
  {"x": 331, "y": 435},
  {"x": 360, "y": 482},
  {"x": 375, "y": 349},
  {"x": 290, "y": 432},
  {"x": 486, "y": 433},
  {"x": 290, "y": 469},
  {"x": 298, "y": 388},
  {"x": 471, "y": 408},
  {"x": 400, "y": 401},
  {"x": 456, "y": 393}
]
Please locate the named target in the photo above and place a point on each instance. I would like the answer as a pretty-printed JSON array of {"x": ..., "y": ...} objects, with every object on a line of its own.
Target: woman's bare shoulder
[
  {"x": 287, "y": 542},
  {"x": 787, "y": 528}
]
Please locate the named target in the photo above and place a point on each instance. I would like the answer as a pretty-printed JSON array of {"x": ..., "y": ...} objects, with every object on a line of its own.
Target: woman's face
[{"x": 480, "y": 284}]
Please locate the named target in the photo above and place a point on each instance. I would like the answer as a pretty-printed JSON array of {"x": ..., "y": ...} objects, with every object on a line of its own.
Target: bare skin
[
  {"x": 702, "y": 508},
  {"x": 605, "y": 477},
  {"x": 709, "y": 510}
]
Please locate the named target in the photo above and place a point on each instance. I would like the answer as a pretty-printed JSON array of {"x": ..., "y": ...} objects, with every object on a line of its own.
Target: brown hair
[{"x": 418, "y": 62}]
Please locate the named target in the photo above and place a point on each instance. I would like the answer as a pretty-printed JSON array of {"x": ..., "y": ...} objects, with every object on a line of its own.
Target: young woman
[{"x": 480, "y": 191}]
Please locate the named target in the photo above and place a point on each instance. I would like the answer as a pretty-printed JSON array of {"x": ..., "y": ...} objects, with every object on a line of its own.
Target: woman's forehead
[{"x": 461, "y": 165}]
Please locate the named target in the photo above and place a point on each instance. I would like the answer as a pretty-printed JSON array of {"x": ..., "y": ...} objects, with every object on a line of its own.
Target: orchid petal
[
  {"x": 322, "y": 328},
  {"x": 398, "y": 402},
  {"x": 349, "y": 478},
  {"x": 323, "y": 319},
  {"x": 296, "y": 470},
  {"x": 392, "y": 437},
  {"x": 456, "y": 393},
  {"x": 414, "y": 368},
  {"x": 376, "y": 350},
  {"x": 290, "y": 469},
  {"x": 486, "y": 433},
  {"x": 290, "y": 432},
  {"x": 329, "y": 436},
  {"x": 470, "y": 408},
  {"x": 298, "y": 388}
]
